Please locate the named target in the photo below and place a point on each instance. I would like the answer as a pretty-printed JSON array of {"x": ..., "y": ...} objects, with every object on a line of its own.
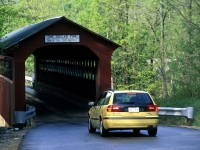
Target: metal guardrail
[
  {"x": 187, "y": 112},
  {"x": 29, "y": 79},
  {"x": 22, "y": 116}
]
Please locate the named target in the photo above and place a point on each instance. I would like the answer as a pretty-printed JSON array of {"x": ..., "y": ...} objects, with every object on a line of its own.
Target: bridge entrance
[
  {"x": 69, "y": 59},
  {"x": 72, "y": 69}
]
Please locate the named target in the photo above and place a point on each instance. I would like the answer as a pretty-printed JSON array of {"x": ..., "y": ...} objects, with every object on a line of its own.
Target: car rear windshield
[{"x": 132, "y": 98}]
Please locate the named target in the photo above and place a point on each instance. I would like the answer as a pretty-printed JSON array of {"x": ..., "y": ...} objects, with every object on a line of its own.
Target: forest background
[{"x": 160, "y": 41}]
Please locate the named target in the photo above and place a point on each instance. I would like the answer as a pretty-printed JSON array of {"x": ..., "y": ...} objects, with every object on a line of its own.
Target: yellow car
[{"x": 122, "y": 110}]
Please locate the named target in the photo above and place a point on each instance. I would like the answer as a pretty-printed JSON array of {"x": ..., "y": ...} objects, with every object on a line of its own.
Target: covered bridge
[{"x": 69, "y": 59}]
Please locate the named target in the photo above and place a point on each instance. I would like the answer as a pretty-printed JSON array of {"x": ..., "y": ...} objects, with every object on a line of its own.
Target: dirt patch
[{"x": 11, "y": 138}]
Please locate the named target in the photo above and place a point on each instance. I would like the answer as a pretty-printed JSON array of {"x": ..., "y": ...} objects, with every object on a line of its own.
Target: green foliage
[
  {"x": 29, "y": 66},
  {"x": 145, "y": 59}
]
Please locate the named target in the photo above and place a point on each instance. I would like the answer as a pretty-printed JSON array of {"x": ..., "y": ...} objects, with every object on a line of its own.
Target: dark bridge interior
[{"x": 68, "y": 68}]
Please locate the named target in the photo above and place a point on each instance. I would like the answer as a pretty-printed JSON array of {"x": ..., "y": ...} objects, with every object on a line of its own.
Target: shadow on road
[{"x": 51, "y": 108}]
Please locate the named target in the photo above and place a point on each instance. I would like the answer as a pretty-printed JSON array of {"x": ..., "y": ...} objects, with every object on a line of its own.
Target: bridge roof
[{"x": 23, "y": 33}]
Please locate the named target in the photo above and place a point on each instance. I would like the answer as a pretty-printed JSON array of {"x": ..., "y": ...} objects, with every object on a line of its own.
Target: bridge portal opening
[{"x": 67, "y": 69}]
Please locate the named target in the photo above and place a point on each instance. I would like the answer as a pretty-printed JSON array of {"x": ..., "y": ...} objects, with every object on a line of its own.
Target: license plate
[{"x": 133, "y": 109}]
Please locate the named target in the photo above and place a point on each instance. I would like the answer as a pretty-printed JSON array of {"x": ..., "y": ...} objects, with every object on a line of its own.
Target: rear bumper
[{"x": 130, "y": 123}]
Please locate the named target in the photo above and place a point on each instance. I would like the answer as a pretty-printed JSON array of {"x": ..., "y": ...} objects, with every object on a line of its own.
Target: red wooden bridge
[{"x": 69, "y": 59}]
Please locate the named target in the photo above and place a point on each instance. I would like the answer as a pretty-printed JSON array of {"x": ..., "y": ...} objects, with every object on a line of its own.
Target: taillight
[
  {"x": 113, "y": 108},
  {"x": 152, "y": 108}
]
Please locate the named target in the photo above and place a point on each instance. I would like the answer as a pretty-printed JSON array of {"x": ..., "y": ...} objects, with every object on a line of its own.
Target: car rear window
[{"x": 132, "y": 98}]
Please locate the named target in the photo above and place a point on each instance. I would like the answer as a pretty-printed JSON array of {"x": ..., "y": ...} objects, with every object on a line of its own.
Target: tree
[
  {"x": 159, "y": 38},
  {"x": 185, "y": 70}
]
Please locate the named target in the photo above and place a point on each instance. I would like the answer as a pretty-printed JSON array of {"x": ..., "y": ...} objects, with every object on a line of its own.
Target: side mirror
[{"x": 91, "y": 103}]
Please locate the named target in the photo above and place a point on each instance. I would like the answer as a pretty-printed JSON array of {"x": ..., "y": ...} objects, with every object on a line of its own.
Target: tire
[
  {"x": 103, "y": 131},
  {"x": 91, "y": 129},
  {"x": 152, "y": 132}
]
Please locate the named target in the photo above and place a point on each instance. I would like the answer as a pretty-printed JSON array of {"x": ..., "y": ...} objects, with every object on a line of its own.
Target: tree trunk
[{"x": 162, "y": 53}]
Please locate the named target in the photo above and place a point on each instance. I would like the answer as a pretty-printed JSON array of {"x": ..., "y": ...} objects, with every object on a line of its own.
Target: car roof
[{"x": 127, "y": 91}]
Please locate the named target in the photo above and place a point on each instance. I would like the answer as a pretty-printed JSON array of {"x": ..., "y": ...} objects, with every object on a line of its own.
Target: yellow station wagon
[{"x": 122, "y": 110}]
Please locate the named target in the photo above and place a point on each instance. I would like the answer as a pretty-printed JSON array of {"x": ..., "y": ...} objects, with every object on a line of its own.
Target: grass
[{"x": 172, "y": 120}]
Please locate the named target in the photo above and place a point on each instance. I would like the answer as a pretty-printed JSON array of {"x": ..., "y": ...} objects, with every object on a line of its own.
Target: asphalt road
[{"x": 62, "y": 126}]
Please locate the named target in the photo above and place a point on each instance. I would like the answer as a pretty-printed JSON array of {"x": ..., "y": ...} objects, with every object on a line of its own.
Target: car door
[
  {"x": 98, "y": 107},
  {"x": 93, "y": 112},
  {"x": 101, "y": 108}
]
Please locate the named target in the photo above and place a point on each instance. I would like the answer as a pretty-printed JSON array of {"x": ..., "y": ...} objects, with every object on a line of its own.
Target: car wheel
[
  {"x": 152, "y": 132},
  {"x": 91, "y": 129},
  {"x": 103, "y": 131}
]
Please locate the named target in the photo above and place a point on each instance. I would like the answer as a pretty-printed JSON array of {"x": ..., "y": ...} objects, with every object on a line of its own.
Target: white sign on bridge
[{"x": 62, "y": 38}]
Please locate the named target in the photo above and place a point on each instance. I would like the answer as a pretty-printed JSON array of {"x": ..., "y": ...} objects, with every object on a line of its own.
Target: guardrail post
[
  {"x": 190, "y": 112},
  {"x": 190, "y": 115},
  {"x": 29, "y": 117}
]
